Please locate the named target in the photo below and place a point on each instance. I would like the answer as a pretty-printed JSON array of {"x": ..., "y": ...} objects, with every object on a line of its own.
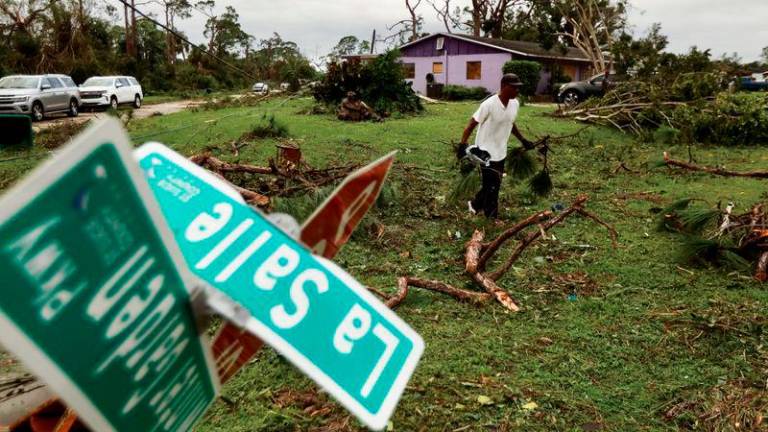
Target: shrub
[
  {"x": 267, "y": 127},
  {"x": 457, "y": 93},
  {"x": 529, "y": 73},
  {"x": 379, "y": 83}
]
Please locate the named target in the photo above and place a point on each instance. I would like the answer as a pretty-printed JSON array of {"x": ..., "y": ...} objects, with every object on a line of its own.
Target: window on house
[
  {"x": 440, "y": 43},
  {"x": 409, "y": 70},
  {"x": 474, "y": 70},
  {"x": 437, "y": 68}
]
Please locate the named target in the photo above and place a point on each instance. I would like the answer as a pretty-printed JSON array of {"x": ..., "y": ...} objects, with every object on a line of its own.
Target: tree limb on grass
[{"x": 716, "y": 171}]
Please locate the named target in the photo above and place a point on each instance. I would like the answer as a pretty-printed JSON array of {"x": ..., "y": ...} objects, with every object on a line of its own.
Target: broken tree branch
[
  {"x": 459, "y": 294},
  {"x": 535, "y": 235},
  {"x": 716, "y": 171},
  {"x": 472, "y": 257}
]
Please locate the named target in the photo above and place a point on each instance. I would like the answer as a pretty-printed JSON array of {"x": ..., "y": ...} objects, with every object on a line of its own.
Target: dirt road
[{"x": 143, "y": 112}]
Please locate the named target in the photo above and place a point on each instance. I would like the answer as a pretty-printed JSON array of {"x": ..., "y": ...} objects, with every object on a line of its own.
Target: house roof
[{"x": 527, "y": 49}]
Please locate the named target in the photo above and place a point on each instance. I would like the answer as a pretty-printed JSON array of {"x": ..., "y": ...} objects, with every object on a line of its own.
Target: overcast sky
[{"x": 316, "y": 25}]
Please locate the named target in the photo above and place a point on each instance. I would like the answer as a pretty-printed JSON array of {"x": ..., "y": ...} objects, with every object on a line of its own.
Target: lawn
[{"x": 608, "y": 339}]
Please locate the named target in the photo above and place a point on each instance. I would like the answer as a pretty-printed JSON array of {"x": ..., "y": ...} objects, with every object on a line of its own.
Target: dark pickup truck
[
  {"x": 754, "y": 83},
  {"x": 575, "y": 92}
]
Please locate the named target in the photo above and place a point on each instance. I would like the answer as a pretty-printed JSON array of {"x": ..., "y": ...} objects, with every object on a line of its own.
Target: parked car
[
  {"x": 575, "y": 92},
  {"x": 756, "y": 82},
  {"x": 39, "y": 95},
  {"x": 260, "y": 88},
  {"x": 111, "y": 91}
]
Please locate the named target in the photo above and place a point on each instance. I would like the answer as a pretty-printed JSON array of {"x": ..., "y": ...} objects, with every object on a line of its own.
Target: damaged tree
[{"x": 479, "y": 254}]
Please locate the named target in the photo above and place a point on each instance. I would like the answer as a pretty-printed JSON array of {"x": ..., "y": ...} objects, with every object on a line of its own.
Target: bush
[
  {"x": 379, "y": 83},
  {"x": 732, "y": 119},
  {"x": 267, "y": 127},
  {"x": 457, "y": 93},
  {"x": 529, "y": 73}
]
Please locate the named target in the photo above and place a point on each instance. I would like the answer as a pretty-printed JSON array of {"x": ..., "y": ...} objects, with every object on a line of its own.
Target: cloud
[{"x": 317, "y": 25}]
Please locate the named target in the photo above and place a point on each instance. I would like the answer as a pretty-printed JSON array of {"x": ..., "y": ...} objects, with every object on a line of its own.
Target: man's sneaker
[{"x": 471, "y": 209}]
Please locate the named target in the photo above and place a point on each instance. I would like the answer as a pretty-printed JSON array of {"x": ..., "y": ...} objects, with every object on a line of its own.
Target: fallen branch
[
  {"x": 459, "y": 294},
  {"x": 477, "y": 254},
  {"x": 535, "y": 235},
  {"x": 716, "y": 171},
  {"x": 611, "y": 230},
  {"x": 472, "y": 258},
  {"x": 216, "y": 164}
]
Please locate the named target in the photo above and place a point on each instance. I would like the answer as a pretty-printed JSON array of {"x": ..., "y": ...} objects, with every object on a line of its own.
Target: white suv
[{"x": 111, "y": 91}]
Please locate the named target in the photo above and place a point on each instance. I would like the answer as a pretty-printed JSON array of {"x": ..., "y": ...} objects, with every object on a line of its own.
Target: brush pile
[
  {"x": 282, "y": 177},
  {"x": 718, "y": 236},
  {"x": 691, "y": 108}
]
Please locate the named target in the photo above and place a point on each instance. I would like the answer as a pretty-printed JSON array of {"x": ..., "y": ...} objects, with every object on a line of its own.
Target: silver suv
[{"x": 39, "y": 95}]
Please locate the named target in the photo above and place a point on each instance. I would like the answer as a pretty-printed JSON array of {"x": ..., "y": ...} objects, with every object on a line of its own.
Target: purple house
[{"x": 477, "y": 61}]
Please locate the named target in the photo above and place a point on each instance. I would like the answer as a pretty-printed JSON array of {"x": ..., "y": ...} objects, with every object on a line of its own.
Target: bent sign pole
[
  {"x": 95, "y": 298},
  {"x": 308, "y": 309},
  {"x": 325, "y": 232}
]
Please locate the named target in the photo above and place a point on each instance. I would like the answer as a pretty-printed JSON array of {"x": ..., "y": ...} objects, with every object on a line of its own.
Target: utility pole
[{"x": 373, "y": 41}]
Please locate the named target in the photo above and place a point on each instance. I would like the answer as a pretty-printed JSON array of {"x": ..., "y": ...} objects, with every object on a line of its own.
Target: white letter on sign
[
  {"x": 204, "y": 226},
  {"x": 390, "y": 343},
  {"x": 354, "y": 326},
  {"x": 280, "y": 264},
  {"x": 285, "y": 320}
]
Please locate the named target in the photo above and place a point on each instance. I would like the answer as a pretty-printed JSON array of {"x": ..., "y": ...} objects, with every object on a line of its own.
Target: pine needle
[
  {"x": 520, "y": 164},
  {"x": 696, "y": 220},
  {"x": 669, "y": 217},
  {"x": 733, "y": 261},
  {"x": 699, "y": 249},
  {"x": 466, "y": 186},
  {"x": 541, "y": 183}
]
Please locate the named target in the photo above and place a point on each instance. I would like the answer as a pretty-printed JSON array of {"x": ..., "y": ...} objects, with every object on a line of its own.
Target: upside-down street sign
[
  {"x": 325, "y": 232},
  {"x": 306, "y": 307}
]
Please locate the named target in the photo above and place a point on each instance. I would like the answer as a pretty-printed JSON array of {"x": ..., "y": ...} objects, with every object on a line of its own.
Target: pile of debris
[
  {"x": 714, "y": 234},
  {"x": 718, "y": 236},
  {"x": 288, "y": 175}
]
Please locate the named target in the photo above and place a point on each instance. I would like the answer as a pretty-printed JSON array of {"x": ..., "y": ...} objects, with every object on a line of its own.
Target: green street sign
[
  {"x": 307, "y": 308},
  {"x": 93, "y": 300}
]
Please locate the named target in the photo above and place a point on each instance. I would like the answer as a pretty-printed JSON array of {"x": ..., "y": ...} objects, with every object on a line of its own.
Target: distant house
[
  {"x": 477, "y": 61},
  {"x": 359, "y": 58}
]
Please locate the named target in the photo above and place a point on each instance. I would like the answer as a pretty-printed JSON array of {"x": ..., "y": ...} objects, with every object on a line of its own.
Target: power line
[{"x": 181, "y": 37}]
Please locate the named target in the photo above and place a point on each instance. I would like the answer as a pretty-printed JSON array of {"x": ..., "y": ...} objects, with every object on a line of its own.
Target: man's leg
[{"x": 494, "y": 175}]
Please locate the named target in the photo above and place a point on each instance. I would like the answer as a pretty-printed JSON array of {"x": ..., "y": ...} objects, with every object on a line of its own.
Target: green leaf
[{"x": 484, "y": 400}]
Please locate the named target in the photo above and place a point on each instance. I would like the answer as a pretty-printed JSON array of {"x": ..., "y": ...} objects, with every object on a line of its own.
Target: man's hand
[{"x": 528, "y": 144}]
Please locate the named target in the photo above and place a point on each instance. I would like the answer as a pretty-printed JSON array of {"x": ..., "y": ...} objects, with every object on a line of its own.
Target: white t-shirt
[{"x": 495, "y": 126}]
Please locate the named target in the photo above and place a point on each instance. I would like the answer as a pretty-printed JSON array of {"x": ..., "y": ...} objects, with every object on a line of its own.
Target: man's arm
[
  {"x": 516, "y": 132},
  {"x": 468, "y": 130}
]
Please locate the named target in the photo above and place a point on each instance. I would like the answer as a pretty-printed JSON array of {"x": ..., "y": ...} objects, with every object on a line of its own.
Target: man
[{"x": 496, "y": 118}]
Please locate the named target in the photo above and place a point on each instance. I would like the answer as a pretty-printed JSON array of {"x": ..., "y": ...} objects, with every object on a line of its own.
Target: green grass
[{"x": 605, "y": 358}]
